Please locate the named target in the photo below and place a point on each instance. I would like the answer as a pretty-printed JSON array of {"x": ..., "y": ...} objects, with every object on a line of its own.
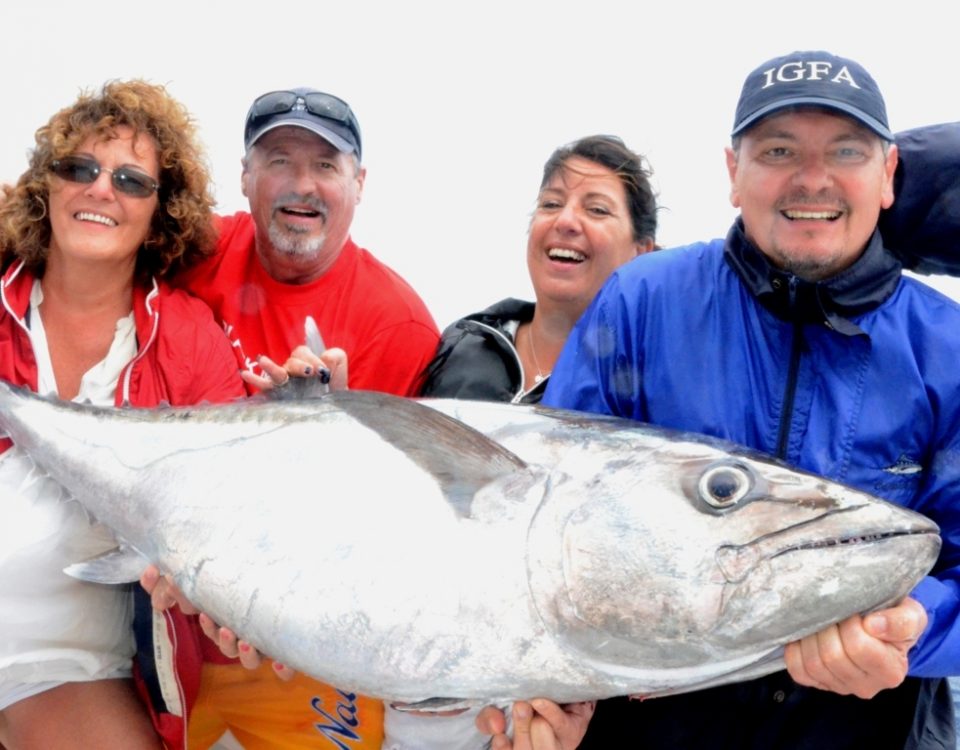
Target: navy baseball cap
[
  {"x": 324, "y": 114},
  {"x": 816, "y": 79}
]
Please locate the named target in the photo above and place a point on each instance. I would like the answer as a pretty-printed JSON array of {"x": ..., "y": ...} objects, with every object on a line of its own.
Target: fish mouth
[
  {"x": 773, "y": 593},
  {"x": 737, "y": 561}
]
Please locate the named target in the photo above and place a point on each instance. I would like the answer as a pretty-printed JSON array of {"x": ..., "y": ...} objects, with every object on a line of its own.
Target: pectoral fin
[{"x": 119, "y": 565}]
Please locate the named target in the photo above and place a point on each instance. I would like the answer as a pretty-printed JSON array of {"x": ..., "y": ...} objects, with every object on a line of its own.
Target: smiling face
[
  {"x": 302, "y": 194},
  {"x": 810, "y": 185},
  {"x": 95, "y": 222},
  {"x": 579, "y": 234}
]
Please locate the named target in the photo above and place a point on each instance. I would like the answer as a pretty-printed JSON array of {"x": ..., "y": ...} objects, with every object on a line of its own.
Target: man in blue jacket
[{"x": 798, "y": 335}]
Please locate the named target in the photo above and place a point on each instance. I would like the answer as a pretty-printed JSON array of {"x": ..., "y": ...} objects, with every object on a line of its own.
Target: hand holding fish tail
[
  {"x": 164, "y": 593},
  {"x": 537, "y": 725},
  {"x": 236, "y": 648},
  {"x": 861, "y": 655}
]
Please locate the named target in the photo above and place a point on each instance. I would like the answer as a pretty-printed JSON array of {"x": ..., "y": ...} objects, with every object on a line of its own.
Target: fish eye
[{"x": 724, "y": 486}]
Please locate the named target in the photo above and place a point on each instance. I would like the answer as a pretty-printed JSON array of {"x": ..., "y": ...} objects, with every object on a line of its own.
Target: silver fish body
[{"x": 385, "y": 547}]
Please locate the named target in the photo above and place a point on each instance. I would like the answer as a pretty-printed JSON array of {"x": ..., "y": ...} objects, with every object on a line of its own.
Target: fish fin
[
  {"x": 461, "y": 459},
  {"x": 119, "y": 565},
  {"x": 314, "y": 342},
  {"x": 435, "y": 705},
  {"x": 312, "y": 337}
]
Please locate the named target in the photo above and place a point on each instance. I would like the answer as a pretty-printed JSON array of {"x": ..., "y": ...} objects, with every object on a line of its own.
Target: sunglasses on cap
[
  {"x": 316, "y": 103},
  {"x": 85, "y": 170}
]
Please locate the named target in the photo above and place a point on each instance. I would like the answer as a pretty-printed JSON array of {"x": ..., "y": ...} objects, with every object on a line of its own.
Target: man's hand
[
  {"x": 537, "y": 725},
  {"x": 861, "y": 655}
]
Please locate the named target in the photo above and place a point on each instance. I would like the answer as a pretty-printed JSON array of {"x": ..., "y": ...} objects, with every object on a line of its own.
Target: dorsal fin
[{"x": 461, "y": 458}]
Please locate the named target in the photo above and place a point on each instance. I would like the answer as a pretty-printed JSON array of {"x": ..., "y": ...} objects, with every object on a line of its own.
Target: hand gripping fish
[{"x": 535, "y": 553}]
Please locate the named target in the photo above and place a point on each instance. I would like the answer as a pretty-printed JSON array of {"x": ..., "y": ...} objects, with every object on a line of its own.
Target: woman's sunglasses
[{"x": 86, "y": 170}]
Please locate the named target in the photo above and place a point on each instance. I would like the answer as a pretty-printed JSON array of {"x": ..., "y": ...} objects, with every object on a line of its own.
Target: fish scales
[{"x": 412, "y": 550}]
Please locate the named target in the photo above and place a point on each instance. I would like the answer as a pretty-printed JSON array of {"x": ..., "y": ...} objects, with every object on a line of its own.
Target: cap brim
[
  {"x": 298, "y": 122},
  {"x": 810, "y": 101}
]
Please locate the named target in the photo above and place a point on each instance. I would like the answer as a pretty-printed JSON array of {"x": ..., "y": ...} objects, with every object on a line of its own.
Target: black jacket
[
  {"x": 922, "y": 227},
  {"x": 774, "y": 713},
  {"x": 477, "y": 359}
]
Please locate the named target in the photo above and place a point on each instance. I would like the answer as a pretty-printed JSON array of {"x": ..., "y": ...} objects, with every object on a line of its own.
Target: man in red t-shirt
[{"x": 290, "y": 257}]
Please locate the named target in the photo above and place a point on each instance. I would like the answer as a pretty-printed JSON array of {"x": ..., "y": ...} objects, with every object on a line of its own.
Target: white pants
[{"x": 53, "y": 628}]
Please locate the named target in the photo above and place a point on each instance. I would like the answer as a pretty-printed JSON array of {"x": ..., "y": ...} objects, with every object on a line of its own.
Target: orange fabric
[{"x": 266, "y": 713}]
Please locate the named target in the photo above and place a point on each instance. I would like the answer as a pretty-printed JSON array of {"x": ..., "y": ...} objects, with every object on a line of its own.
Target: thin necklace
[{"x": 539, "y": 377}]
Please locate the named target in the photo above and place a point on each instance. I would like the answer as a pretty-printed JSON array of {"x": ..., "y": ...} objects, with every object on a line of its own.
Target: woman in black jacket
[{"x": 595, "y": 211}]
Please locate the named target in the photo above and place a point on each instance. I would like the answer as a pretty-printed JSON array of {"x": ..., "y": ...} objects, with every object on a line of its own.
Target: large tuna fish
[{"x": 385, "y": 547}]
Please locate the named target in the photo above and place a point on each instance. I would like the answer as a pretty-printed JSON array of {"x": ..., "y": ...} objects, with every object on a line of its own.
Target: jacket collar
[
  {"x": 505, "y": 310},
  {"x": 15, "y": 289},
  {"x": 862, "y": 287},
  {"x": 17, "y": 283}
]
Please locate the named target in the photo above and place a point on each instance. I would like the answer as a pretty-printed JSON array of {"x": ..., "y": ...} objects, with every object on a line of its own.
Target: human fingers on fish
[
  {"x": 228, "y": 643},
  {"x": 523, "y": 726},
  {"x": 249, "y": 656},
  {"x": 164, "y": 593},
  {"x": 832, "y": 654},
  {"x": 845, "y": 659},
  {"x": 186, "y": 606},
  {"x": 903, "y": 623},
  {"x": 260, "y": 382},
  {"x": 878, "y": 663},
  {"x": 274, "y": 375},
  {"x": 304, "y": 362},
  {"x": 335, "y": 360},
  {"x": 543, "y": 736},
  {"x": 533, "y": 731},
  {"x": 230, "y": 646},
  {"x": 237, "y": 648},
  {"x": 278, "y": 374},
  {"x": 491, "y": 721},
  {"x": 568, "y": 722},
  {"x": 149, "y": 578},
  {"x": 208, "y": 626},
  {"x": 804, "y": 660}
]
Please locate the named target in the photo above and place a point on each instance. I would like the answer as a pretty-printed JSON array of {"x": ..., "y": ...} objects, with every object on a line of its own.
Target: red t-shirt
[{"x": 360, "y": 306}]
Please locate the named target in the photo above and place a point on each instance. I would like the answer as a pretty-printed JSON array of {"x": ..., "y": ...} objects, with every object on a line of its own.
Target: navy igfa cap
[
  {"x": 324, "y": 114},
  {"x": 817, "y": 79}
]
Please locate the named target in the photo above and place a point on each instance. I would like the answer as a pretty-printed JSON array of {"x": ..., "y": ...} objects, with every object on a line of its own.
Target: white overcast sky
[{"x": 461, "y": 103}]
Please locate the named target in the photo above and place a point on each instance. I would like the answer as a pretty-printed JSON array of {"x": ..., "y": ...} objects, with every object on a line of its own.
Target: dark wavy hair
[
  {"x": 181, "y": 231},
  {"x": 633, "y": 170}
]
